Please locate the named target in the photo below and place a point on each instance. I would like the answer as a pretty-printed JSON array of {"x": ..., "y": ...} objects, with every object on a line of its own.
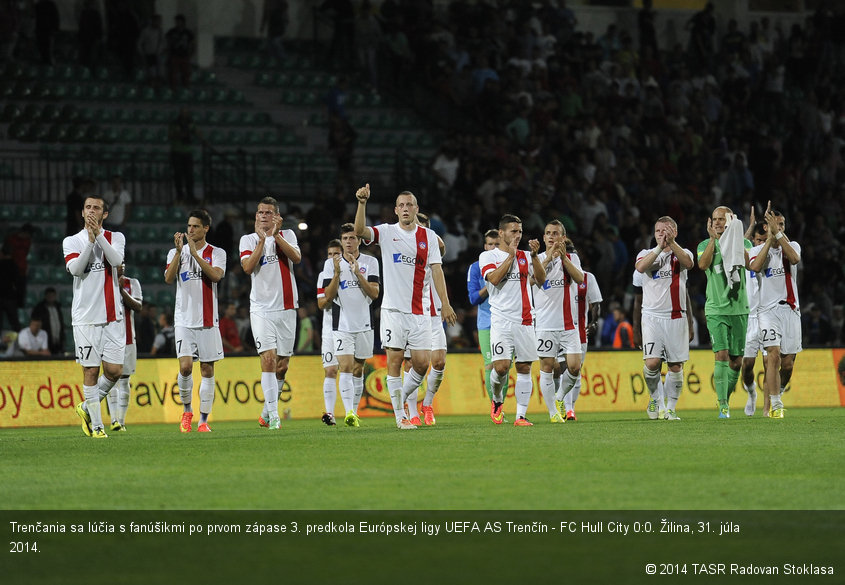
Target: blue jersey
[{"x": 475, "y": 283}]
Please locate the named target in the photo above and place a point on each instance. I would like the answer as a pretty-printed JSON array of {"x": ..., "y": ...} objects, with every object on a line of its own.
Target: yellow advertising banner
[{"x": 44, "y": 393}]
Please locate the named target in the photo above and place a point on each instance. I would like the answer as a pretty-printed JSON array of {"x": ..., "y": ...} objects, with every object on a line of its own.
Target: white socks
[
  {"x": 394, "y": 388},
  {"x": 652, "y": 377},
  {"x": 411, "y": 402},
  {"x": 186, "y": 389},
  {"x": 547, "y": 389},
  {"x": 523, "y": 393},
  {"x": 122, "y": 399},
  {"x": 572, "y": 396},
  {"x": 329, "y": 394},
  {"x": 347, "y": 390},
  {"x": 358, "y": 384},
  {"x": 435, "y": 377},
  {"x": 497, "y": 381},
  {"x": 92, "y": 403},
  {"x": 413, "y": 379},
  {"x": 673, "y": 386},
  {"x": 206, "y": 397},
  {"x": 271, "y": 394}
]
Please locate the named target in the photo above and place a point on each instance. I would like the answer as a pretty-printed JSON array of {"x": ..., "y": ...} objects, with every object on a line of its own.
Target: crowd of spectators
[{"x": 607, "y": 133}]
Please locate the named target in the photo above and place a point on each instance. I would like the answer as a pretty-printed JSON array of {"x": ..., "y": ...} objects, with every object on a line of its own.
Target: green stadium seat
[{"x": 10, "y": 113}]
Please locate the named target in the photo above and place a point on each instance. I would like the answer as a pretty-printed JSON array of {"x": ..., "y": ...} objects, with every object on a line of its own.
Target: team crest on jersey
[
  {"x": 522, "y": 260},
  {"x": 422, "y": 246}
]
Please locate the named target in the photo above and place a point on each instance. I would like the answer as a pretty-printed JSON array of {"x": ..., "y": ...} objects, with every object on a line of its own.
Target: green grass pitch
[{"x": 602, "y": 461}]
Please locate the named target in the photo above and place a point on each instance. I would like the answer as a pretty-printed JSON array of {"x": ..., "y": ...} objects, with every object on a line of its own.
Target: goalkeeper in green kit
[{"x": 723, "y": 257}]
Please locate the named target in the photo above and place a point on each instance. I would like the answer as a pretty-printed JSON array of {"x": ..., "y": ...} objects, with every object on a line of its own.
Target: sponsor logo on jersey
[
  {"x": 555, "y": 283},
  {"x": 190, "y": 275},
  {"x": 770, "y": 272},
  {"x": 268, "y": 259},
  {"x": 515, "y": 276},
  {"x": 662, "y": 274},
  {"x": 400, "y": 258},
  {"x": 345, "y": 284},
  {"x": 95, "y": 267}
]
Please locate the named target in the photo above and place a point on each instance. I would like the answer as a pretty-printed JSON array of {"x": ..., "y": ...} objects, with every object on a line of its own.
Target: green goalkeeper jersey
[{"x": 723, "y": 299}]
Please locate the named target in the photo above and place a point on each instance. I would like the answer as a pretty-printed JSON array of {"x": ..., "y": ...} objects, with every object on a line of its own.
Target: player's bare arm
[
  {"x": 689, "y": 317},
  {"x": 214, "y": 273},
  {"x": 331, "y": 289},
  {"x": 683, "y": 258},
  {"x": 648, "y": 261},
  {"x": 370, "y": 289},
  {"x": 173, "y": 267},
  {"x": 283, "y": 245},
  {"x": 128, "y": 300},
  {"x": 494, "y": 277},
  {"x": 539, "y": 269},
  {"x": 573, "y": 271},
  {"x": 706, "y": 258},
  {"x": 362, "y": 195},
  {"x": 777, "y": 227},
  {"x": 446, "y": 311},
  {"x": 752, "y": 221},
  {"x": 250, "y": 262}
]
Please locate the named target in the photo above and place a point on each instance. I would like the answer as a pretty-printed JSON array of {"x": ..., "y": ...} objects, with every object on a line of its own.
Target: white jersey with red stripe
[
  {"x": 752, "y": 291},
  {"x": 196, "y": 294},
  {"x": 665, "y": 285},
  {"x": 778, "y": 278},
  {"x": 351, "y": 304},
  {"x": 407, "y": 257},
  {"x": 133, "y": 289},
  {"x": 510, "y": 299},
  {"x": 273, "y": 280},
  {"x": 96, "y": 298},
  {"x": 321, "y": 294},
  {"x": 554, "y": 299},
  {"x": 588, "y": 293}
]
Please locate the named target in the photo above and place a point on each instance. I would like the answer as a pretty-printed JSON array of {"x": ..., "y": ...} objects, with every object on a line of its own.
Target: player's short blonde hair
[
  {"x": 667, "y": 219},
  {"x": 414, "y": 197}
]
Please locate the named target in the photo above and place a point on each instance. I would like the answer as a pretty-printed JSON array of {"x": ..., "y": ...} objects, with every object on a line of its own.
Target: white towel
[{"x": 732, "y": 244}]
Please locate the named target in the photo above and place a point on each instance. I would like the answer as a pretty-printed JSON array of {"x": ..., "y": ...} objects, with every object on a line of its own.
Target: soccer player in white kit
[
  {"x": 438, "y": 349},
  {"x": 327, "y": 341},
  {"x": 665, "y": 328},
  {"x": 509, "y": 271},
  {"x": 118, "y": 399},
  {"x": 196, "y": 269},
  {"x": 589, "y": 299},
  {"x": 409, "y": 252},
  {"x": 352, "y": 287},
  {"x": 558, "y": 337},
  {"x": 779, "y": 313},
  {"x": 753, "y": 337},
  {"x": 267, "y": 256},
  {"x": 92, "y": 256}
]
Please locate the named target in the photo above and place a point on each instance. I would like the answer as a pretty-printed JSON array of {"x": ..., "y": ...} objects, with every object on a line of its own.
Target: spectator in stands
[
  {"x": 82, "y": 187},
  {"x": 18, "y": 244},
  {"x": 274, "y": 19},
  {"x": 307, "y": 334},
  {"x": 342, "y": 146},
  {"x": 184, "y": 135},
  {"x": 124, "y": 28},
  {"x": 367, "y": 39},
  {"x": 342, "y": 49},
  {"x": 145, "y": 327},
  {"x": 816, "y": 325},
  {"x": 165, "y": 342},
  {"x": 245, "y": 327},
  {"x": 49, "y": 312},
  {"x": 32, "y": 340},
  {"x": 46, "y": 29},
  {"x": 180, "y": 49},
  {"x": 10, "y": 22},
  {"x": 223, "y": 234},
  {"x": 10, "y": 298},
  {"x": 120, "y": 204},
  {"x": 229, "y": 330},
  {"x": 153, "y": 48},
  {"x": 90, "y": 34},
  {"x": 623, "y": 336}
]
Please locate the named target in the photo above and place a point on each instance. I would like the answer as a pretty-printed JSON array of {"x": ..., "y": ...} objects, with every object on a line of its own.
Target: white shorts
[
  {"x": 399, "y": 330},
  {"x": 130, "y": 359},
  {"x": 199, "y": 343},
  {"x": 274, "y": 330},
  {"x": 558, "y": 344},
  {"x": 508, "y": 339},
  {"x": 359, "y": 344},
  {"x": 781, "y": 326},
  {"x": 753, "y": 338},
  {"x": 438, "y": 333},
  {"x": 327, "y": 349},
  {"x": 99, "y": 343},
  {"x": 665, "y": 338}
]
